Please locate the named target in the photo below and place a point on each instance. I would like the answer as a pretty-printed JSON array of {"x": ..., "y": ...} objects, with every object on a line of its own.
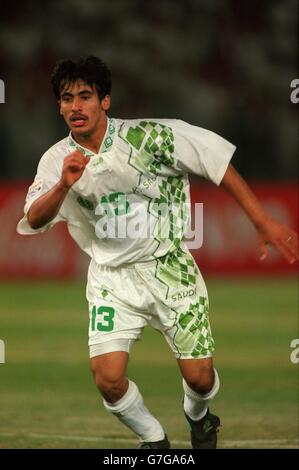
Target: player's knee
[
  {"x": 111, "y": 386},
  {"x": 201, "y": 380}
]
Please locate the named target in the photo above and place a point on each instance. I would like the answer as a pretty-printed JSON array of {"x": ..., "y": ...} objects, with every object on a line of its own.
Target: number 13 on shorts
[{"x": 102, "y": 318}]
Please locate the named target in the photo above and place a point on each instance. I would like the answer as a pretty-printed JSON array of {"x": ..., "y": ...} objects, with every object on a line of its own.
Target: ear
[
  {"x": 105, "y": 103},
  {"x": 59, "y": 104}
]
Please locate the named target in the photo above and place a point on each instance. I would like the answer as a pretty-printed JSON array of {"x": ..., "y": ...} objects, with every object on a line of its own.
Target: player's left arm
[{"x": 269, "y": 230}]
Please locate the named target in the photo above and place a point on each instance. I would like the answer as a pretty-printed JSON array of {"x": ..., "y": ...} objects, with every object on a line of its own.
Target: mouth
[{"x": 78, "y": 120}]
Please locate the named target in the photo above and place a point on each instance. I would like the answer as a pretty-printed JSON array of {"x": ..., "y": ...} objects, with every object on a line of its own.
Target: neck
[{"x": 93, "y": 141}]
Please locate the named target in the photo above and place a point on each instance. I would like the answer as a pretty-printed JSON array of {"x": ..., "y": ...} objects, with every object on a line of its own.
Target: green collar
[{"x": 106, "y": 144}]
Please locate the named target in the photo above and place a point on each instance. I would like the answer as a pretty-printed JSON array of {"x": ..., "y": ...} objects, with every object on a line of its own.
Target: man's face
[{"x": 82, "y": 109}]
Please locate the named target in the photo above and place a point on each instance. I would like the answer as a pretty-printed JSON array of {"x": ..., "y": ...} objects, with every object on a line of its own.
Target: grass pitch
[{"x": 48, "y": 399}]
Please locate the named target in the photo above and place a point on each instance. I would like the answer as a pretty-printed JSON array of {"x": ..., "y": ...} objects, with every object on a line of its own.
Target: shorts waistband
[{"x": 137, "y": 265}]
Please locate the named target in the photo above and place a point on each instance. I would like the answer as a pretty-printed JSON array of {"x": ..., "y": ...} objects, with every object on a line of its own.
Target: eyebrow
[{"x": 82, "y": 92}]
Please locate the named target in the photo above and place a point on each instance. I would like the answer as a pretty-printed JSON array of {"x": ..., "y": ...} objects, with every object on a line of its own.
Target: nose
[{"x": 76, "y": 105}]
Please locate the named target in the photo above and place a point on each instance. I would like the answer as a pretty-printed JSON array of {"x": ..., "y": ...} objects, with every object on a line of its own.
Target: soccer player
[{"x": 122, "y": 188}]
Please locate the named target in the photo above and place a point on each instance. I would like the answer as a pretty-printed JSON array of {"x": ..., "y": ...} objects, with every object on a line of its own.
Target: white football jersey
[{"x": 132, "y": 202}]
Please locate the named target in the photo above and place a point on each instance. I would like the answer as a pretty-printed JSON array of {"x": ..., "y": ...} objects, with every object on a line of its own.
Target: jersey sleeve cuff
[{"x": 226, "y": 161}]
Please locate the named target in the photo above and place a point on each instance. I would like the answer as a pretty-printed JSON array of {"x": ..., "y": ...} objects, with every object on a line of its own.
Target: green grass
[{"x": 48, "y": 399}]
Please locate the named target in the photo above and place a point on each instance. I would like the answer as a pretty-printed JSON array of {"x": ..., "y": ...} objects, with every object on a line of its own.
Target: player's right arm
[{"x": 46, "y": 207}]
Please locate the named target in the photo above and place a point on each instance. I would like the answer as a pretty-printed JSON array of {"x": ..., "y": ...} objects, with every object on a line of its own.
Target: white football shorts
[{"x": 168, "y": 293}]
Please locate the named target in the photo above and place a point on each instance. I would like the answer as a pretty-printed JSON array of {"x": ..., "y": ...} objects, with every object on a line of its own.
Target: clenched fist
[{"x": 73, "y": 167}]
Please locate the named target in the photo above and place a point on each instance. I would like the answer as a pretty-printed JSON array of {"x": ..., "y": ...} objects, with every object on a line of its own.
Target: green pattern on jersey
[
  {"x": 174, "y": 198},
  {"x": 86, "y": 152},
  {"x": 176, "y": 269},
  {"x": 105, "y": 146},
  {"x": 96, "y": 159},
  {"x": 153, "y": 146},
  {"x": 154, "y": 143},
  {"x": 193, "y": 330},
  {"x": 108, "y": 141},
  {"x": 85, "y": 203}
]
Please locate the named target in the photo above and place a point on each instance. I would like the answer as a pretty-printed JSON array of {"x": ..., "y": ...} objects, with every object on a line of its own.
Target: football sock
[
  {"x": 195, "y": 404},
  {"x": 131, "y": 411}
]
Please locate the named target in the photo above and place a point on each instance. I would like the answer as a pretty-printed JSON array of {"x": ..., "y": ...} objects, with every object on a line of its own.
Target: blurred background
[{"x": 225, "y": 66}]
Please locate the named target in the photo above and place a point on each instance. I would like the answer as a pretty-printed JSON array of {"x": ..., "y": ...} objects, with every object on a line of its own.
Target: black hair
[{"x": 89, "y": 69}]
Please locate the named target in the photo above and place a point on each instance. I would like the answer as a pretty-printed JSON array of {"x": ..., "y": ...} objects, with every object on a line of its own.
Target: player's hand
[
  {"x": 73, "y": 167},
  {"x": 282, "y": 237}
]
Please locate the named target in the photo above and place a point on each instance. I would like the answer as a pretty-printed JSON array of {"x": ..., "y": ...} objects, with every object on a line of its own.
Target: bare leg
[{"x": 122, "y": 397}]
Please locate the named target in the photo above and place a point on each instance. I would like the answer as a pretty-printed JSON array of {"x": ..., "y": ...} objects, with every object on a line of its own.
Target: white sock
[
  {"x": 196, "y": 405},
  {"x": 131, "y": 411}
]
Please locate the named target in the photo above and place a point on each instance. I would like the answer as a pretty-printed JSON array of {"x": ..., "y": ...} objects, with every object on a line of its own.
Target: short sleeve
[
  {"x": 180, "y": 147},
  {"x": 200, "y": 151},
  {"x": 46, "y": 177}
]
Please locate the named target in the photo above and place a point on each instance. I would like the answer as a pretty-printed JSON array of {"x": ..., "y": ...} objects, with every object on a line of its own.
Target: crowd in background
[{"x": 226, "y": 66}]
